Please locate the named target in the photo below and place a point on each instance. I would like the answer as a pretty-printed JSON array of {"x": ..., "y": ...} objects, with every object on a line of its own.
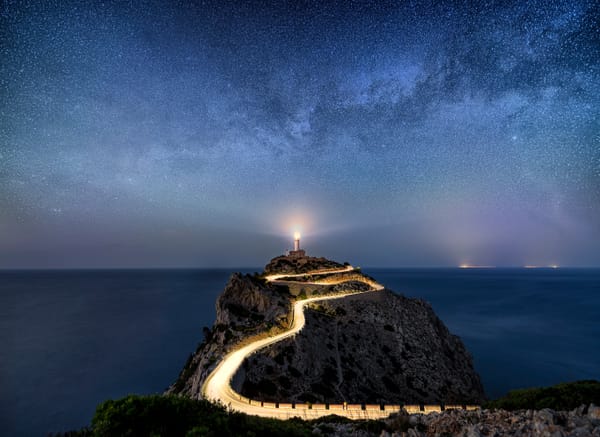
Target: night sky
[{"x": 199, "y": 134}]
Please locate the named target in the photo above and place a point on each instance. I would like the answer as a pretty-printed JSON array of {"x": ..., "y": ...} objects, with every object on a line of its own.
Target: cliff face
[
  {"x": 376, "y": 347},
  {"x": 248, "y": 308}
]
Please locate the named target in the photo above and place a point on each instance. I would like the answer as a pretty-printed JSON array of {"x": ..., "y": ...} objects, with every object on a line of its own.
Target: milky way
[{"x": 172, "y": 133}]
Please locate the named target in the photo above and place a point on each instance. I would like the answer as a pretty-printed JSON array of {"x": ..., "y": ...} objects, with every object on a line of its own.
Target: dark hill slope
[{"x": 376, "y": 348}]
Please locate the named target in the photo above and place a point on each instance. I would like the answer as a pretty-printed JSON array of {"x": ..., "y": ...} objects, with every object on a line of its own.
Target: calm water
[{"x": 71, "y": 339}]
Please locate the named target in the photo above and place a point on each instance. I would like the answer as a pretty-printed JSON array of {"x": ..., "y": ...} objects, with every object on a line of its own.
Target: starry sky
[{"x": 390, "y": 133}]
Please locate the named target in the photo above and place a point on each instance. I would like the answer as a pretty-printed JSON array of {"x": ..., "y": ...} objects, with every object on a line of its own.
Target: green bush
[
  {"x": 152, "y": 415},
  {"x": 157, "y": 415},
  {"x": 566, "y": 396}
]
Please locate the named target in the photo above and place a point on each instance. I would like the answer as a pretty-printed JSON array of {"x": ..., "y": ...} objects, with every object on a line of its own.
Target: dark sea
[{"x": 71, "y": 339}]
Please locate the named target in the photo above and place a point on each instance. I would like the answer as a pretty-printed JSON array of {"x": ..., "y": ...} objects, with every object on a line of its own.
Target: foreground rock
[{"x": 580, "y": 422}]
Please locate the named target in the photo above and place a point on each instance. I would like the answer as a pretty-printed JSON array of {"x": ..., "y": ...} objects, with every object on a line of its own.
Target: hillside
[
  {"x": 371, "y": 348},
  {"x": 375, "y": 347}
]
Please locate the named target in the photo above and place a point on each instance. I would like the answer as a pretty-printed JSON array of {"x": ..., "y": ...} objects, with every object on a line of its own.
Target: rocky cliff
[
  {"x": 375, "y": 347},
  {"x": 248, "y": 308}
]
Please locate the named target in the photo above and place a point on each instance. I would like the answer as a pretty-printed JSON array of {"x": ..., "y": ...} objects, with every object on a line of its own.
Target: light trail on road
[{"x": 217, "y": 386}]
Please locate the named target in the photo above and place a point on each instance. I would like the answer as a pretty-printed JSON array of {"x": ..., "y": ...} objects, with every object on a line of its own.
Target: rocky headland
[
  {"x": 369, "y": 346},
  {"x": 376, "y": 347}
]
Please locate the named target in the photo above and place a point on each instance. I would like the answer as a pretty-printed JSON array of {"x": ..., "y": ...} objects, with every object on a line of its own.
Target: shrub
[
  {"x": 566, "y": 396},
  {"x": 267, "y": 387},
  {"x": 294, "y": 372},
  {"x": 155, "y": 414},
  {"x": 339, "y": 311},
  {"x": 374, "y": 427},
  {"x": 285, "y": 382},
  {"x": 282, "y": 289},
  {"x": 179, "y": 416}
]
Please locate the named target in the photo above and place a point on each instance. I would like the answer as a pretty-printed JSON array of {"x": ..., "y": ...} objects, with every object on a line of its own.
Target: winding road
[{"x": 217, "y": 386}]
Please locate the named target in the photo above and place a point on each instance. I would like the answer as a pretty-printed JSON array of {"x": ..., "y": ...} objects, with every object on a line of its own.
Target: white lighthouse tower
[{"x": 297, "y": 252}]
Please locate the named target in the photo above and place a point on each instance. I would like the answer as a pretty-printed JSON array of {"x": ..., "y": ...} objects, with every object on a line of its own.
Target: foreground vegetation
[
  {"x": 179, "y": 416},
  {"x": 560, "y": 397},
  {"x": 157, "y": 415}
]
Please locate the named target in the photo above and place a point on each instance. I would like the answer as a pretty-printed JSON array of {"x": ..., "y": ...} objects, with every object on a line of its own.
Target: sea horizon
[{"x": 254, "y": 268}]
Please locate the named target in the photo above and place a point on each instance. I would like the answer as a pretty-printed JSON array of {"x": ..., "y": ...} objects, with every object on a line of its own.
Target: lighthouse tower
[{"x": 297, "y": 252}]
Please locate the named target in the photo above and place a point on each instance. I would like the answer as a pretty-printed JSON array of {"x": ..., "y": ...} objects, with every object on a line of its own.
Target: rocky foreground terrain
[
  {"x": 377, "y": 347},
  {"x": 580, "y": 422}
]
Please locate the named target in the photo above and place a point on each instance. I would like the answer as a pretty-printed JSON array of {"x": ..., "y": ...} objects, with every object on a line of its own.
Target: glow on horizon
[
  {"x": 470, "y": 266},
  {"x": 551, "y": 266}
]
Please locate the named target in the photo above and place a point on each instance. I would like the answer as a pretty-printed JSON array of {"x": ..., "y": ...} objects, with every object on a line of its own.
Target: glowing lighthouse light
[
  {"x": 297, "y": 252},
  {"x": 296, "y": 241}
]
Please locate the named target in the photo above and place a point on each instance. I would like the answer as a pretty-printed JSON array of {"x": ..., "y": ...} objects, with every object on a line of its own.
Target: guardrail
[{"x": 352, "y": 410}]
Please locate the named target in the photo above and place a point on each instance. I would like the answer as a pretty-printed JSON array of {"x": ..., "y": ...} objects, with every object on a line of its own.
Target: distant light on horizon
[
  {"x": 551, "y": 266},
  {"x": 470, "y": 266}
]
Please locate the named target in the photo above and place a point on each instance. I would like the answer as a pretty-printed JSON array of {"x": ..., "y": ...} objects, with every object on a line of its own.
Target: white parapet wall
[{"x": 352, "y": 411}]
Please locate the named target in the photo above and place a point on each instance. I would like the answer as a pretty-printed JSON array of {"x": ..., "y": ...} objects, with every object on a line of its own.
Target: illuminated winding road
[
  {"x": 272, "y": 278},
  {"x": 217, "y": 386}
]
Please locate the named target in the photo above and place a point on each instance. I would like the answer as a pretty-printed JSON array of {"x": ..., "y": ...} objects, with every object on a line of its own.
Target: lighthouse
[{"x": 297, "y": 252}]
